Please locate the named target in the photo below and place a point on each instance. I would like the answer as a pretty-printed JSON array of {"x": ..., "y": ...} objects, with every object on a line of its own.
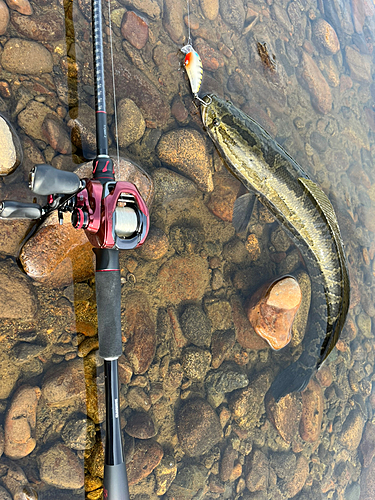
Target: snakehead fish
[{"x": 304, "y": 212}]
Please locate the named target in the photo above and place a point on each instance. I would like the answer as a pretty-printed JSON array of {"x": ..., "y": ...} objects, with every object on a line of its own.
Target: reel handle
[
  {"x": 18, "y": 210},
  {"x": 45, "y": 180}
]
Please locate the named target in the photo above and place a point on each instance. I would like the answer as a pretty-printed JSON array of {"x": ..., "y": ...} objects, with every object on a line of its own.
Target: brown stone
[
  {"x": 140, "y": 425},
  {"x": 65, "y": 385},
  {"x": 210, "y": 9},
  {"x": 56, "y": 134},
  {"x": 326, "y": 36},
  {"x": 245, "y": 333},
  {"x": 4, "y": 17},
  {"x": 359, "y": 65},
  {"x": 212, "y": 60},
  {"x": 352, "y": 429},
  {"x": 223, "y": 196},
  {"x": 316, "y": 84},
  {"x": 367, "y": 482},
  {"x": 227, "y": 463},
  {"x": 147, "y": 455},
  {"x": 258, "y": 476},
  {"x": 312, "y": 412},
  {"x": 43, "y": 28},
  {"x": 221, "y": 346},
  {"x": 21, "y": 6},
  {"x": 367, "y": 446},
  {"x": 18, "y": 299},
  {"x": 155, "y": 246},
  {"x": 134, "y": 29},
  {"x": 324, "y": 376},
  {"x": 285, "y": 415},
  {"x": 59, "y": 466},
  {"x": 297, "y": 482}
]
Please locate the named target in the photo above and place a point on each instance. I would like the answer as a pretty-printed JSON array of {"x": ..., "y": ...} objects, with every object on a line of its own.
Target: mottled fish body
[{"x": 305, "y": 213}]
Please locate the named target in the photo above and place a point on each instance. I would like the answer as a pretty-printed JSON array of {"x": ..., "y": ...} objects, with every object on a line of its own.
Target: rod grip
[
  {"x": 115, "y": 482},
  {"x": 18, "y": 210},
  {"x": 108, "y": 301},
  {"x": 45, "y": 180}
]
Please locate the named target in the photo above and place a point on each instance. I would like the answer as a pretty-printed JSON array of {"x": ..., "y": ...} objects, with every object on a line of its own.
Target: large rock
[
  {"x": 25, "y": 57},
  {"x": 312, "y": 412},
  {"x": 131, "y": 124},
  {"x": 43, "y": 28},
  {"x": 147, "y": 455},
  {"x": 60, "y": 467},
  {"x": 317, "y": 85}
]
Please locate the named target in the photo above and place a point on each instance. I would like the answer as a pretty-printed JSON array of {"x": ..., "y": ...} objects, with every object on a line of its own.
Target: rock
[
  {"x": 56, "y": 134},
  {"x": 60, "y": 467},
  {"x": 225, "y": 380},
  {"x": 134, "y": 29},
  {"x": 245, "y": 333},
  {"x": 4, "y": 495},
  {"x": 42, "y": 28},
  {"x": 20, "y": 423},
  {"x": 138, "y": 399},
  {"x": 196, "y": 326},
  {"x": 324, "y": 376},
  {"x": 212, "y": 60},
  {"x": 82, "y": 127},
  {"x": 21, "y": 6},
  {"x": 318, "y": 87},
  {"x": 359, "y": 65},
  {"x": 155, "y": 246},
  {"x": 185, "y": 150},
  {"x": 173, "y": 20},
  {"x": 147, "y": 455},
  {"x": 179, "y": 110},
  {"x": 233, "y": 13},
  {"x": 149, "y": 7},
  {"x": 210, "y": 9},
  {"x": 227, "y": 463},
  {"x": 285, "y": 415},
  {"x": 11, "y": 151},
  {"x": 326, "y": 36},
  {"x": 140, "y": 332},
  {"x": 198, "y": 427},
  {"x": 140, "y": 425},
  {"x": 165, "y": 474},
  {"x": 15, "y": 480},
  {"x": 95, "y": 462},
  {"x": 131, "y": 124},
  {"x": 183, "y": 278},
  {"x": 301, "y": 318},
  {"x": 190, "y": 480},
  {"x": 219, "y": 313},
  {"x": 367, "y": 483},
  {"x": 170, "y": 186},
  {"x": 222, "y": 198},
  {"x": 367, "y": 446},
  {"x": 10, "y": 374},
  {"x": 4, "y": 17},
  {"x": 32, "y": 117},
  {"x": 294, "y": 484},
  {"x": 280, "y": 240},
  {"x": 352, "y": 429},
  {"x": 195, "y": 362},
  {"x": 272, "y": 309},
  {"x": 25, "y": 57},
  {"x": 258, "y": 477},
  {"x": 312, "y": 412},
  {"x": 221, "y": 346},
  {"x": 18, "y": 299},
  {"x": 79, "y": 433}
]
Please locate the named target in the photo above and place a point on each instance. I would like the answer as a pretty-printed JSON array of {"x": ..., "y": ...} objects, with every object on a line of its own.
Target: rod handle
[
  {"x": 18, "y": 210},
  {"x": 115, "y": 484},
  {"x": 44, "y": 180}
]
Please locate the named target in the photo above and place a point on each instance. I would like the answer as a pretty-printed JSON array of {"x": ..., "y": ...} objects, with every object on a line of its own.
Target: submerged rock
[
  {"x": 10, "y": 152},
  {"x": 18, "y": 299},
  {"x": 43, "y": 28},
  {"x": 312, "y": 412},
  {"x": 4, "y": 17},
  {"x": 25, "y": 57},
  {"x": 147, "y": 455},
  {"x": 318, "y": 87},
  {"x": 326, "y": 36},
  {"x": 59, "y": 466},
  {"x": 134, "y": 29}
]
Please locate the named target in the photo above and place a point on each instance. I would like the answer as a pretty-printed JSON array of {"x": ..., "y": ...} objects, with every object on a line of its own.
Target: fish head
[{"x": 212, "y": 110}]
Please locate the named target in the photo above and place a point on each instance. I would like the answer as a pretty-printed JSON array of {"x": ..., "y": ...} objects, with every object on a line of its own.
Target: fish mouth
[{"x": 205, "y": 104}]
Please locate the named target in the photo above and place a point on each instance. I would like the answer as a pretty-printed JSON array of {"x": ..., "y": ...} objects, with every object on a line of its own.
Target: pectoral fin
[{"x": 242, "y": 211}]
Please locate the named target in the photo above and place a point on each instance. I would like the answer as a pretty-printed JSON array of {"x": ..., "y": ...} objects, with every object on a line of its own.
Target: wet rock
[
  {"x": 147, "y": 455},
  {"x": 233, "y": 13},
  {"x": 223, "y": 196},
  {"x": 15, "y": 481},
  {"x": 359, "y": 65},
  {"x": 131, "y": 124},
  {"x": 42, "y": 28},
  {"x": 225, "y": 380},
  {"x": 367, "y": 483},
  {"x": 4, "y": 494},
  {"x": 20, "y": 422},
  {"x": 318, "y": 87},
  {"x": 210, "y": 9},
  {"x": 140, "y": 332},
  {"x": 170, "y": 186},
  {"x": 140, "y": 425},
  {"x": 183, "y": 278},
  {"x": 185, "y": 150},
  {"x": 179, "y": 110},
  {"x": 212, "y": 60},
  {"x": 165, "y": 474},
  {"x": 32, "y": 117},
  {"x": 280, "y": 240},
  {"x": 245, "y": 333},
  {"x": 138, "y": 399},
  {"x": 56, "y": 135},
  {"x": 59, "y": 466},
  {"x": 198, "y": 427},
  {"x": 227, "y": 463},
  {"x": 21, "y": 6},
  {"x": 285, "y": 415},
  {"x": 221, "y": 346},
  {"x": 294, "y": 483},
  {"x": 4, "y": 17},
  {"x": 18, "y": 297},
  {"x": 25, "y": 57},
  {"x": 360, "y": 10},
  {"x": 155, "y": 246},
  {"x": 134, "y": 29},
  {"x": 195, "y": 362},
  {"x": 196, "y": 326},
  {"x": 79, "y": 433},
  {"x": 10, "y": 374},
  {"x": 173, "y": 20},
  {"x": 272, "y": 309},
  {"x": 149, "y": 7},
  {"x": 352, "y": 429},
  {"x": 11, "y": 152},
  {"x": 189, "y": 481},
  {"x": 82, "y": 127},
  {"x": 324, "y": 376},
  {"x": 312, "y": 412},
  {"x": 326, "y": 36},
  {"x": 258, "y": 477}
]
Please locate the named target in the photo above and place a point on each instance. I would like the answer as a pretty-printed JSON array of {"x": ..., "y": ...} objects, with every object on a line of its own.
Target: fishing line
[
  {"x": 188, "y": 16},
  {"x": 113, "y": 82}
]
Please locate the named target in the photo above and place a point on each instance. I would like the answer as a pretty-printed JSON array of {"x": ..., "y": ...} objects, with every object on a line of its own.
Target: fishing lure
[{"x": 194, "y": 68}]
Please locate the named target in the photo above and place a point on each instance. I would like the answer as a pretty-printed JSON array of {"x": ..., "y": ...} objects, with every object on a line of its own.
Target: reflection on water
[{"x": 194, "y": 374}]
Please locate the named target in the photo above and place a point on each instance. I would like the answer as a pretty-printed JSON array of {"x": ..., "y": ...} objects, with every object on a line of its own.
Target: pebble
[
  {"x": 134, "y": 29},
  {"x": 258, "y": 476},
  {"x": 245, "y": 333},
  {"x": 56, "y": 135},
  {"x": 222, "y": 198},
  {"x": 190, "y": 480},
  {"x": 227, "y": 463},
  {"x": 149, "y": 7},
  {"x": 320, "y": 92},
  {"x": 195, "y": 362},
  {"x": 196, "y": 326},
  {"x": 131, "y": 124},
  {"x": 210, "y": 9},
  {"x": 367, "y": 445},
  {"x": 280, "y": 240},
  {"x": 24, "y": 351},
  {"x": 367, "y": 483},
  {"x": 212, "y": 60},
  {"x": 183, "y": 278},
  {"x": 272, "y": 309},
  {"x": 138, "y": 399},
  {"x": 20, "y": 422},
  {"x": 185, "y": 150},
  {"x": 60, "y": 467},
  {"x": 32, "y": 117},
  {"x": 173, "y": 20},
  {"x": 324, "y": 376},
  {"x": 140, "y": 425},
  {"x": 42, "y": 28},
  {"x": 359, "y": 65},
  {"x": 21, "y": 6},
  {"x": 226, "y": 379},
  {"x": 312, "y": 412},
  {"x": 179, "y": 110},
  {"x": 147, "y": 455},
  {"x": 221, "y": 346},
  {"x": 294, "y": 484},
  {"x": 82, "y": 127},
  {"x": 79, "y": 433},
  {"x": 170, "y": 187},
  {"x": 326, "y": 36},
  {"x": 156, "y": 245},
  {"x": 4, "y": 17},
  {"x": 140, "y": 333},
  {"x": 351, "y": 433},
  {"x": 18, "y": 299},
  {"x": 25, "y": 57},
  {"x": 198, "y": 427},
  {"x": 165, "y": 474},
  {"x": 219, "y": 313},
  {"x": 285, "y": 415},
  {"x": 11, "y": 152},
  {"x": 233, "y": 13}
]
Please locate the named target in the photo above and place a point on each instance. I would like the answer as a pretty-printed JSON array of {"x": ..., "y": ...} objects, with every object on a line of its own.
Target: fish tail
[{"x": 294, "y": 378}]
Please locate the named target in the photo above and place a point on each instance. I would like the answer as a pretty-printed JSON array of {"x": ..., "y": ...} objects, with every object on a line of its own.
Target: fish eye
[{"x": 216, "y": 122}]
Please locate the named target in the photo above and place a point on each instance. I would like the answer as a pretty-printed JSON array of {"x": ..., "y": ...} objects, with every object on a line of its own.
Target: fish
[
  {"x": 194, "y": 68},
  {"x": 272, "y": 176}
]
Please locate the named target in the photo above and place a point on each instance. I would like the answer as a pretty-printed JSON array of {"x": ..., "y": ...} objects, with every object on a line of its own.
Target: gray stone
[
  {"x": 195, "y": 362},
  {"x": 79, "y": 433},
  {"x": 196, "y": 326}
]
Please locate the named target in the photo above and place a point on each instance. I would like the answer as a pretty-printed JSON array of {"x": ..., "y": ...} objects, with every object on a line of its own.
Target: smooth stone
[
  {"x": 272, "y": 309},
  {"x": 149, "y": 7},
  {"x": 245, "y": 333},
  {"x": 320, "y": 92},
  {"x": 195, "y": 362},
  {"x": 60, "y": 467},
  {"x": 18, "y": 297},
  {"x": 147, "y": 455},
  {"x": 326, "y": 36},
  {"x": 173, "y": 20},
  {"x": 10, "y": 373},
  {"x": 82, "y": 127},
  {"x": 42, "y": 28},
  {"x": 210, "y": 9},
  {"x": 134, "y": 29},
  {"x": 131, "y": 124},
  {"x": 312, "y": 412},
  {"x": 367, "y": 445},
  {"x": 258, "y": 476},
  {"x": 56, "y": 135},
  {"x": 155, "y": 246},
  {"x": 140, "y": 333},
  {"x": 233, "y": 13},
  {"x": 140, "y": 425},
  {"x": 285, "y": 415},
  {"x": 294, "y": 483},
  {"x": 185, "y": 150},
  {"x": 359, "y": 65},
  {"x": 212, "y": 59},
  {"x": 221, "y": 346},
  {"x": 222, "y": 198},
  {"x": 165, "y": 474},
  {"x": 25, "y": 57},
  {"x": 351, "y": 433},
  {"x": 21, "y": 6},
  {"x": 198, "y": 427},
  {"x": 32, "y": 117},
  {"x": 10, "y": 152},
  {"x": 196, "y": 326},
  {"x": 170, "y": 186},
  {"x": 79, "y": 433},
  {"x": 4, "y": 17}
]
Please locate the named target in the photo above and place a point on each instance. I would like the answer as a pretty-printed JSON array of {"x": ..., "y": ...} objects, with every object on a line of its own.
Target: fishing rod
[{"x": 114, "y": 216}]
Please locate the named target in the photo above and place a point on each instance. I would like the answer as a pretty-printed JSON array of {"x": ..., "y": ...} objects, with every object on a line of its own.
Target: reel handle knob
[
  {"x": 18, "y": 210},
  {"x": 44, "y": 180}
]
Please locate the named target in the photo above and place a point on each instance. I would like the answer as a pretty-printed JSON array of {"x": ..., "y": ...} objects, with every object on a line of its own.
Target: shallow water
[{"x": 192, "y": 366}]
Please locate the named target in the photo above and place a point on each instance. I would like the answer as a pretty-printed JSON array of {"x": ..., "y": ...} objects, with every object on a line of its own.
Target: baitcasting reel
[{"x": 113, "y": 214}]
